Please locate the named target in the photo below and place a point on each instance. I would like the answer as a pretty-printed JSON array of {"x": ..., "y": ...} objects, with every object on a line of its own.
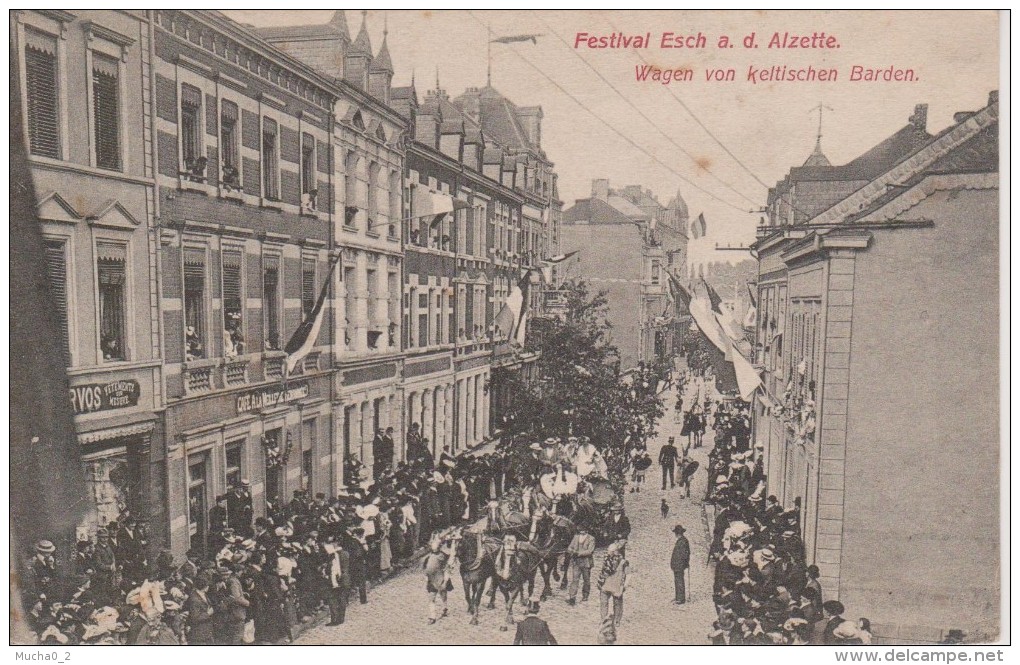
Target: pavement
[{"x": 397, "y": 610}]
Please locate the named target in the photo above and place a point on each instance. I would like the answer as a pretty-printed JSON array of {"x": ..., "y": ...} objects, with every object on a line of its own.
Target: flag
[
  {"x": 510, "y": 39},
  {"x": 698, "y": 228},
  {"x": 747, "y": 376},
  {"x": 750, "y": 293},
  {"x": 553, "y": 261},
  {"x": 303, "y": 339},
  {"x": 512, "y": 318},
  {"x": 701, "y": 311},
  {"x": 679, "y": 292},
  {"x": 713, "y": 297}
]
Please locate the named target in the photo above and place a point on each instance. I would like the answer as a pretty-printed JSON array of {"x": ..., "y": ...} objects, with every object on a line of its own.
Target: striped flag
[
  {"x": 303, "y": 340},
  {"x": 512, "y": 319}
]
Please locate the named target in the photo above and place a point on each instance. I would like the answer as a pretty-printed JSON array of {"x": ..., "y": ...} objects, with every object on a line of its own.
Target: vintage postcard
[{"x": 347, "y": 327}]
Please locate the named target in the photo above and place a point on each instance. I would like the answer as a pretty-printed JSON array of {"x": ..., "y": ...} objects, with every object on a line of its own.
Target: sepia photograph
[{"x": 473, "y": 327}]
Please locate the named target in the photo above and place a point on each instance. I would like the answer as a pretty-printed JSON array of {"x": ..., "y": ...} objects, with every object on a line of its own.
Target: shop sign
[
  {"x": 270, "y": 396},
  {"x": 93, "y": 397}
]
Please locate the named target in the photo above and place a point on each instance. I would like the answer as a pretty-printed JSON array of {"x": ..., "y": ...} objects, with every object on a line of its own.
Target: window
[
  {"x": 373, "y": 197},
  {"x": 195, "y": 338},
  {"x": 350, "y": 307},
  {"x": 230, "y": 173},
  {"x": 56, "y": 273},
  {"x": 372, "y": 282},
  {"x": 449, "y": 309},
  {"x": 112, "y": 274},
  {"x": 274, "y": 472},
  {"x": 106, "y": 111},
  {"x": 350, "y": 190},
  {"x": 309, "y": 192},
  {"x": 235, "y": 453},
  {"x": 394, "y": 193},
  {"x": 656, "y": 276},
  {"x": 438, "y": 311},
  {"x": 307, "y": 453},
  {"x": 197, "y": 502},
  {"x": 233, "y": 305},
  {"x": 423, "y": 319},
  {"x": 270, "y": 162},
  {"x": 191, "y": 132},
  {"x": 41, "y": 94},
  {"x": 307, "y": 286},
  {"x": 393, "y": 307},
  {"x": 271, "y": 301}
]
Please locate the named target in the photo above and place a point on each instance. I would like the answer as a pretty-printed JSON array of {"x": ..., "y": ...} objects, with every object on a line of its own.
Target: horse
[
  {"x": 501, "y": 520},
  {"x": 516, "y": 563},
  {"x": 551, "y": 535},
  {"x": 477, "y": 555}
]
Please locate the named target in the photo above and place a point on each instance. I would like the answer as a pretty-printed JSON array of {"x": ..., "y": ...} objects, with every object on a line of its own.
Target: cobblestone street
[{"x": 397, "y": 613}]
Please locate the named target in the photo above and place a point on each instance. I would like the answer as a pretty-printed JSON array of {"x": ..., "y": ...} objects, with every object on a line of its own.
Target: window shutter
[
  {"x": 41, "y": 89},
  {"x": 232, "y": 276},
  {"x": 307, "y": 285},
  {"x": 106, "y": 112},
  {"x": 56, "y": 272}
]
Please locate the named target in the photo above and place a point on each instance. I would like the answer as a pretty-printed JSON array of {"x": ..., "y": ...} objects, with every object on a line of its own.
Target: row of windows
[{"x": 42, "y": 102}]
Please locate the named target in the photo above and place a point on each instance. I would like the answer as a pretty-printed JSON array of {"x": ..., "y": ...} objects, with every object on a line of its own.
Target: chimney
[
  {"x": 920, "y": 118},
  {"x": 600, "y": 189},
  {"x": 993, "y": 97}
]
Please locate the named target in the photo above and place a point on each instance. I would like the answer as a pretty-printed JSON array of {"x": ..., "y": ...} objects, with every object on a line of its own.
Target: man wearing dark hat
[
  {"x": 239, "y": 508},
  {"x": 339, "y": 570},
  {"x": 619, "y": 525},
  {"x": 533, "y": 631},
  {"x": 129, "y": 550},
  {"x": 233, "y": 608},
  {"x": 668, "y": 456},
  {"x": 104, "y": 562},
  {"x": 680, "y": 561},
  {"x": 822, "y": 632}
]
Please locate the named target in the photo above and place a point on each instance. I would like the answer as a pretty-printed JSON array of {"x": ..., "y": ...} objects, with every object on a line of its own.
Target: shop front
[{"x": 252, "y": 448}]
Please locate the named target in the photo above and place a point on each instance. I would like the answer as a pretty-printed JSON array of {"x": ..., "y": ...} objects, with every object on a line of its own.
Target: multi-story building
[
  {"x": 244, "y": 149},
  {"x": 85, "y": 78},
  {"x": 631, "y": 231},
  {"x": 878, "y": 316},
  {"x": 369, "y": 139}
]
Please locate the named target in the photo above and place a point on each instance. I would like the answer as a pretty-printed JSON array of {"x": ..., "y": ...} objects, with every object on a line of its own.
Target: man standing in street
[
  {"x": 668, "y": 456},
  {"x": 680, "y": 562},
  {"x": 533, "y": 631},
  {"x": 580, "y": 551},
  {"x": 340, "y": 583}
]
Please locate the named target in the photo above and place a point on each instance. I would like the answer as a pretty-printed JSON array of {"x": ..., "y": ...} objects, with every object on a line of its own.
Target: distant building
[
  {"x": 878, "y": 294},
  {"x": 631, "y": 231}
]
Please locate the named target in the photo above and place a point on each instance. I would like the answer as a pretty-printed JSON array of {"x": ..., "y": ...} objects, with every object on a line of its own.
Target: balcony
[
  {"x": 198, "y": 377},
  {"x": 235, "y": 371},
  {"x": 274, "y": 364}
]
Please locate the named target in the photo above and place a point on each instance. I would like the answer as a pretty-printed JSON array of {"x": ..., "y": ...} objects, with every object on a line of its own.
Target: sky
[{"x": 593, "y": 125}]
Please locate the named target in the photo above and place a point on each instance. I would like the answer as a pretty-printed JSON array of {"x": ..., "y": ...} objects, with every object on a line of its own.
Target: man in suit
[
  {"x": 619, "y": 525},
  {"x": 668, "y": 456},
  {"x": 680, "y": 562},
  {"x": 533, "y": 631},
  {"x": 822, "y": 632},
  {"x": 581, "y": 553},
  {"x": 340, "y": 583}
]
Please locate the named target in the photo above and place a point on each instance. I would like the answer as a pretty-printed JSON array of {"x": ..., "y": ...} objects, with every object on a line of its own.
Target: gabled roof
[
  {"x": 627, "y": 208},
  {"x": 499, "y": 118}
]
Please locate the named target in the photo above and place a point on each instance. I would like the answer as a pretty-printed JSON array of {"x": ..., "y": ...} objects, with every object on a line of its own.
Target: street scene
[{"x": 502, "y": 328}]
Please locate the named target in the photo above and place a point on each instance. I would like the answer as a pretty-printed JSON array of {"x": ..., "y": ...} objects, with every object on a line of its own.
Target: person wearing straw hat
[
  {"x": 680, "y": 563},
  {"x": 43, "y": 567}
]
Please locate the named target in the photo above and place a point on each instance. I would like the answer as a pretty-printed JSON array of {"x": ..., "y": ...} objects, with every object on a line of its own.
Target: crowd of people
[
  {"x": 764, "y": 591},
  {"x": 257, "y": 579}
]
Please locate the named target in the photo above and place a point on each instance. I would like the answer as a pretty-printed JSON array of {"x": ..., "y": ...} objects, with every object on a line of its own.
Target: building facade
[
  {"x": 90, "y": 161},
  {"x": 631, "y": 231},
  {"x": 877, "y": 339}
]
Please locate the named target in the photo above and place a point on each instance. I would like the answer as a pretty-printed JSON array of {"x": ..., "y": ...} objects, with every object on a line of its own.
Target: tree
[{"x": 580, "y": 389}]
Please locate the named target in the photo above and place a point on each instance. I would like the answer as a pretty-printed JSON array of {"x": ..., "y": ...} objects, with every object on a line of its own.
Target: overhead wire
[
  {"x": 616, "y": 131},
  {"x": 643, "y": 115}
]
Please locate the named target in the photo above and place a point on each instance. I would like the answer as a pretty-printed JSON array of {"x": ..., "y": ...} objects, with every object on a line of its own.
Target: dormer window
[
  {"x": 380, "y": 133},
  {"x": 359, "y": 122}
]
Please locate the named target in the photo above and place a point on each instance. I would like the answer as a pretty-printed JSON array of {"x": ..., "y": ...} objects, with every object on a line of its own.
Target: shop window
[
  {"x": 111, "y": 271},
  {"x": 106, "y": 111},
  {"x": 308, "y": 436},
  {"x": 270, "y": 161},
  {"x": 230, "y": 170},
  {"x": 56, "y": 273},
  {"x": 271, "y": 301},
  {"x": 41, "y": 87},
  {"x": 195, "y": 337},
  {"x": 109, "y": 486},
  {"x": 235, "y": 455},
  {"x": 191, "y": 131}
]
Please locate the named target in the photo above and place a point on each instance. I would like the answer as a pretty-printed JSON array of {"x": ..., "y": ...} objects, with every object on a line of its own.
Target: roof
[
  {"x": 627, "y": 208},
  {"x": 362, "y": 44},
  {"x": 499, "y": 118},
  {"x": 336, "y": 27},
  {"x": 382, "y": 61},
  {"x": 594, "y": 211},
  {"x": 817, "y": 157}
]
